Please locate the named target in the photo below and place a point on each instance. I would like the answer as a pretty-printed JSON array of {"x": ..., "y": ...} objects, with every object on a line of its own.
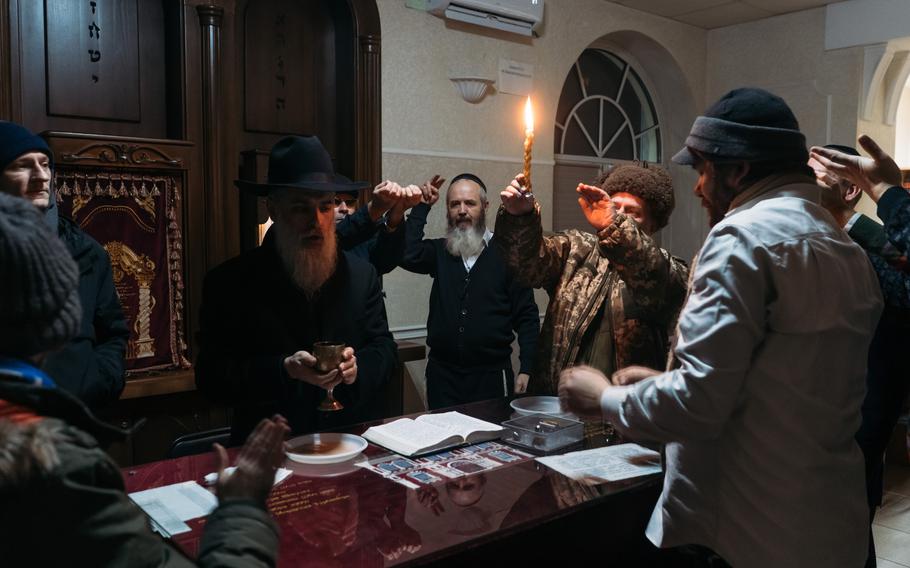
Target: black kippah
[{"x": 470, "y": 177}]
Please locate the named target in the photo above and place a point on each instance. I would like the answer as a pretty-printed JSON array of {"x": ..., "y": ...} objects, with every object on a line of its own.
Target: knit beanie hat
[
  {"x": 652, "y": 185},
  {"x": 746, "y": 124},
  {"x": 16, "y": 140},
  {"x": 39, "y": 283}
]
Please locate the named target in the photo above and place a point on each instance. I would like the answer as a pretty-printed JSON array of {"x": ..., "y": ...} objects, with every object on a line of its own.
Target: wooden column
[
  {"x": 367, "y": 144},
  {"x": 6, "y": 77},
  {"x": 210, "y": 18}
]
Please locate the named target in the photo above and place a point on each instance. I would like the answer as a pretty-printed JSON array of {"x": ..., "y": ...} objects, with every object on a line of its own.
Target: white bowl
[
  {"x": 539, "y": 405},
  {"x": 325, "y": 448}
]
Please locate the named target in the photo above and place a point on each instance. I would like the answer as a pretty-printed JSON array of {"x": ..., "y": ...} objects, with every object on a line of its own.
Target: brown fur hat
[{"x": 652, "y": 184}]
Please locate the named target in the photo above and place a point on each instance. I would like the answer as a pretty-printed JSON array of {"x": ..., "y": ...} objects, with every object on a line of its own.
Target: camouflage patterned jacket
[{"x": 644, "y": 284}]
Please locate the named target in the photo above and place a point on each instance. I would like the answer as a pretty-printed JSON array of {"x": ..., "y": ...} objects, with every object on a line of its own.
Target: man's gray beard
[
  {"x": 308, "y": 268},
  {"x": 466, "y": 242}
]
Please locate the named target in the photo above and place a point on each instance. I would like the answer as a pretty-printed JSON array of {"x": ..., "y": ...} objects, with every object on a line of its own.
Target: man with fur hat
[
  {"x": 614, "y": 295},
  {"x": 63, "y": 498},
  {"x": 762, "y": 400},
  {"x": 263, "y": 311},
  {"x": 91, "y": 365}
]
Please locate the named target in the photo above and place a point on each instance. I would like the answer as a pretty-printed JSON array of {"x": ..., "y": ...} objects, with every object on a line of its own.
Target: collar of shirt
[
  {"x": 852, "y": 221},
  {"x": 470, "y": 260},
  {"x": 765, "y": 185}
]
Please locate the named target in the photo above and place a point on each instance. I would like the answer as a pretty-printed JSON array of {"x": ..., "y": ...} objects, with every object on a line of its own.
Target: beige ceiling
[{"x": 718, "y": 13}]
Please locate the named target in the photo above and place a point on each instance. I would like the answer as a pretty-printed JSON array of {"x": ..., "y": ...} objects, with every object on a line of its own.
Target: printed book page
[{"x": 458, "y": 423}]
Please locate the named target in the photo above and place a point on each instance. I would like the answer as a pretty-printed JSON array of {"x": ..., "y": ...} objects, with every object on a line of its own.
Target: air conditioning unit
[{"x": 513, "y": 16}]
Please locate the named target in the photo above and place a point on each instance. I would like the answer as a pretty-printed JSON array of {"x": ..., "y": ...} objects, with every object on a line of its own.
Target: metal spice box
[{"x": 542, "y": 432}]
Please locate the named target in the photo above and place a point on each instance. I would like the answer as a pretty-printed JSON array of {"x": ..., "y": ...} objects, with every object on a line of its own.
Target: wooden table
[
  {"x": 348, "y": 516},
  {"x": 173, "y": 407}
]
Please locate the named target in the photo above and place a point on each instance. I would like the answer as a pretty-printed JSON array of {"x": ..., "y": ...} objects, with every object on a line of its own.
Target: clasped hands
[
  {"x": 581, "y": 387},
  {"x": 301, "y": 366},
  {"x": 394, "y": 199}
]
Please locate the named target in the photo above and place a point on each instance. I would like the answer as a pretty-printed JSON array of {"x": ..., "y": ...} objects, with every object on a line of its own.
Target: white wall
[
  {"x": 427, "y": 128},
  {"x": 902, "y": 134},
  {"x": 786, "y": 55}
]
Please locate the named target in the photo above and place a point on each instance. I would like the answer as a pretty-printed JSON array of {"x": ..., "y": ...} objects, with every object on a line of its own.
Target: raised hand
[
  {"x": 411, "y": 196},
  {"x": 515, "y": 197},
  {"x": 259, "y": 457},
  {"x": 596, "y": 205},
  {"x": 408, "y": 196},
  {"x": 874, "y": 175},
  {"x": 385, "y": 196},
  {"x": 430, "y": 189}
]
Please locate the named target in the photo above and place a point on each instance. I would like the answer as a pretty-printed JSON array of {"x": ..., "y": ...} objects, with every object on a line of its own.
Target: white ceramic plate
[
  {"x": 538, "y": 405},
  {"x": 325, "y": 448}
]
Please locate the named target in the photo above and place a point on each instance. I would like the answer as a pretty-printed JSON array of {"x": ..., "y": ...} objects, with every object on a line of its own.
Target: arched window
[
  {"x": 605, "y": 116},
  {"x": 605, "y": 111}
]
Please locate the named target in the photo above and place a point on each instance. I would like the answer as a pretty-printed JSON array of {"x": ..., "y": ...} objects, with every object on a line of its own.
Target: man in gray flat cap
[{"x": 760, "y": 404}]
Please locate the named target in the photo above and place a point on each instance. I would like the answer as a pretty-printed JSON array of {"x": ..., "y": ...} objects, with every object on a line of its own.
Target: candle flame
[{"x": 529, "y": 116}]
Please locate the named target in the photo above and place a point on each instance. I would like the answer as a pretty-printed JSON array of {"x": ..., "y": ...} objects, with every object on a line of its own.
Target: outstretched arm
[{"x": 534, "y": 261}]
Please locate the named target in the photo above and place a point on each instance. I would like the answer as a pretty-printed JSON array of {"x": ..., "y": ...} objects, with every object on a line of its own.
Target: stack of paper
[{"x": 169, "y": 506}]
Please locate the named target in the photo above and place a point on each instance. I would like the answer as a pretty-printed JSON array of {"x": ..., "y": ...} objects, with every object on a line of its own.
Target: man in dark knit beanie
[
  {"x": 39, "y": 298},
  {"x": 760, "y": 404},
  {"x": 56, "y": 484},
  {"x": 90, "y": 365}
]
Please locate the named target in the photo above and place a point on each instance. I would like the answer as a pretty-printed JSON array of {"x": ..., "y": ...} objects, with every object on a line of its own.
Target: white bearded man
[
  {"x": 475, "y": 306},
  {"x": 263, "y": 311}
]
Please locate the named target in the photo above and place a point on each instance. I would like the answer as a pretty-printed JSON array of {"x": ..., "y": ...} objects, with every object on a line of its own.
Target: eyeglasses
[{"x": 349, "y": 202}]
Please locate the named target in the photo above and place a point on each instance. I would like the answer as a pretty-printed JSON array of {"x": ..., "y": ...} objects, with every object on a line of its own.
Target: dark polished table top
[{"x": 349, "y": 516}]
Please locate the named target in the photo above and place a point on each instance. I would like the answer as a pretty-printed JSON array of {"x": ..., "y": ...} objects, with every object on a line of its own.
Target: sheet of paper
[
  {"x": 172, "y": 504},
  {"x": 611, "y": 463},
  {"x": 280, "y": 475}
]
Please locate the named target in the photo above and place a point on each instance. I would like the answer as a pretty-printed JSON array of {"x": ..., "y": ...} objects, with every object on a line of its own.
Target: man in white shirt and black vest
[{"x": 475, "y": 306}]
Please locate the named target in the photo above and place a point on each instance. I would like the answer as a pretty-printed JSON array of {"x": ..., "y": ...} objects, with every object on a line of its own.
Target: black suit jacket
[{"x": 253, "y": 316}]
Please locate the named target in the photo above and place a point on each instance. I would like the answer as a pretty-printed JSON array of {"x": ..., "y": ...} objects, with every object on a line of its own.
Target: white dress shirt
[
  {"x": 852, "y": 221},
  {"x": 470, "y": 260},
  {"x": 759, "y": 418}
]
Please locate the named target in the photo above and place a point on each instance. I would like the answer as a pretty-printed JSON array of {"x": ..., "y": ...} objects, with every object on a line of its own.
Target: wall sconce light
[{"x": 472, "y": 89}]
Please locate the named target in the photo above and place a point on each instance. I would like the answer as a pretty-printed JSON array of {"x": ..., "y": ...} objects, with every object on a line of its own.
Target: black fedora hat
[{"x": 301, "y": 162}]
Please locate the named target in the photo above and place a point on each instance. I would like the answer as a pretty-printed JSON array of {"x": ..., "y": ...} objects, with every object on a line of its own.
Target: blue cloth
[{"x": 14, "y": 369}]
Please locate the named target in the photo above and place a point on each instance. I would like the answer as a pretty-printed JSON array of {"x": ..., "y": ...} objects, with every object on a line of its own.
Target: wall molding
[
  {"x": 464, "y": 156},
  {"x": 403, "y": 332},
  {"x": 409, "y": 332}
]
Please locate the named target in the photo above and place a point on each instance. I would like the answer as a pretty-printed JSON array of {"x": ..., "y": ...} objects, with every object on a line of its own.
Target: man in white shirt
[
  {"x": 476, "y": 306},
  {"x": 760, "y": 407}
]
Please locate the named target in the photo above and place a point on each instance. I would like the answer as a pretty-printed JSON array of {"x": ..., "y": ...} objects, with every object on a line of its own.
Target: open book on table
[{"x": 431, "y": 432}]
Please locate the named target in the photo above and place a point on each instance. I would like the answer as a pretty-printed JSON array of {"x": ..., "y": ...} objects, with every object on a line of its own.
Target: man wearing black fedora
[{"x": 263, "y": 311}]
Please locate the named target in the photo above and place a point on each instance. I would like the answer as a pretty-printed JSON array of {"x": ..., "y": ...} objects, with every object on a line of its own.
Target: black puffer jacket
[{"x": 91, "y": 365}]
